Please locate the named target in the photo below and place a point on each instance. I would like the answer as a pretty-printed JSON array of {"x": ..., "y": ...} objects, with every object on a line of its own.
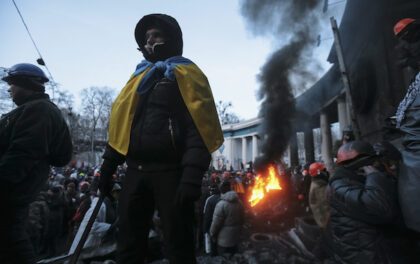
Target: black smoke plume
[{"x": 295, "y": 26}]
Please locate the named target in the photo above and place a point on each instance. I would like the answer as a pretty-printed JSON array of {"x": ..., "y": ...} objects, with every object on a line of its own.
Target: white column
[
  {"x": 214, "y": 159},
  {"x": 232, "y": 150},
  {"x": 326, "y": 141},
  {"x": 342, "y": 115},
  {"x": 289, "y": 155},
  {"x": 244, "y": 150},
  {"x": 254, "y": 147}
]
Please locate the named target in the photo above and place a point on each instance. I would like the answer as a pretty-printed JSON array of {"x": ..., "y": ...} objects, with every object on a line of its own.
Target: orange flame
[{"x": 264, "y": 185}]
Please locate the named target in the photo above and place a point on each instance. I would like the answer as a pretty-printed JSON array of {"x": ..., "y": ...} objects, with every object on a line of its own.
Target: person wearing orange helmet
[
  {"x": 407, "y": 31},
  {"x": 363, "y": 205},
  {"x": 408, "y": 121},
  {"x": 317, "y": 200}
]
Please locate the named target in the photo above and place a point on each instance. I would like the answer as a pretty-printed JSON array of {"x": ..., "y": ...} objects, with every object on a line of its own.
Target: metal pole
[
  {"x": 346, "y": 79},
  {"x": 85, "y": 233}
]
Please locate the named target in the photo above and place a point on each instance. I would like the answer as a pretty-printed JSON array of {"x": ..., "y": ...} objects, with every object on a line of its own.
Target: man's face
[
  {"x": 17, "y": 93},
  {"x": 154, "y": 37}
]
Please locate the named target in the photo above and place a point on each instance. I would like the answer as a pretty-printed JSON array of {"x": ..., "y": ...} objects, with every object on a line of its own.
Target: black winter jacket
[
  {"x": 209, "y": 211},
  {"x": 360, "y": 209},
  {"x": 32, "y": 137},
  {"x": 409, "y": 180},
  {"x": 164, "y": 136}
]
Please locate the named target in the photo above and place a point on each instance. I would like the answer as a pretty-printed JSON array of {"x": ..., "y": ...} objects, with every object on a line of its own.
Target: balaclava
[{"x": 171, "y": 30}]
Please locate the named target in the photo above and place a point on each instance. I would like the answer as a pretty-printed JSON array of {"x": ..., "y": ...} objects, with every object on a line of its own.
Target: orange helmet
[
  {"x": 96, "y": 174},
  {"x": 315, "y": 168},
  {"x": 226, "y": 175},
  {"x": 402, "y": 24},
  {"x": 354, "y": 149}
]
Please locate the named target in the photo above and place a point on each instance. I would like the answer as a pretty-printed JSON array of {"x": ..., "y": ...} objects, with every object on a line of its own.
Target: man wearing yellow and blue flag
[{"x": 164, "y": 125}]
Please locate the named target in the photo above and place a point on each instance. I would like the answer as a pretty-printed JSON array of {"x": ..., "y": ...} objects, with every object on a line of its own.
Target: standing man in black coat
[
  {"x": 33, "y": 136},
  {"x": 208, "y": 212},
  {"x": 363, "y": 201},
  {"x": 164, "y": 124}
]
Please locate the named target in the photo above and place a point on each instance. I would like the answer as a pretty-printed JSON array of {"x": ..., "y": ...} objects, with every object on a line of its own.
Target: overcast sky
[{"x": 91, "y": 43}]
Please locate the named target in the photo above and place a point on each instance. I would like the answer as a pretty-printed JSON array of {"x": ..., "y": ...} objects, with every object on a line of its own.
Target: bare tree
[
  {"x": 226, "y": 116},
  {"x": 96, "y": 105},
  {"x": 63, "y": 99}
]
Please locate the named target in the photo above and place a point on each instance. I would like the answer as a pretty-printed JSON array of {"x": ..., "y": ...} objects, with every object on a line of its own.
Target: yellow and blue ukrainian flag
[{"x": 195, "y": 91}]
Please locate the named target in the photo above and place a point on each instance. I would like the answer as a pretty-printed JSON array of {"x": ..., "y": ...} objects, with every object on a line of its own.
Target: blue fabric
[{"x": 157, "y": 71}]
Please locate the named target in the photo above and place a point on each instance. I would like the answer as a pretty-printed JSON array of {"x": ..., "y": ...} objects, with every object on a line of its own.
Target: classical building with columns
[{"x": 241, "y": 146}]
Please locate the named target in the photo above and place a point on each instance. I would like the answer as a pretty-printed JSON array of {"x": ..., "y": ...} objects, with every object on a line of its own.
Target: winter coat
[
  {"x": 409, "y": 179},
  {"x": 209, "y": 207},
  {"x": 318, "y": 200},
  {"x": 164, "y": 137},
  {"x": 228, "y": 219},
  {"x": 33, "y": 136},
  {"x": 360, "y": 208}
]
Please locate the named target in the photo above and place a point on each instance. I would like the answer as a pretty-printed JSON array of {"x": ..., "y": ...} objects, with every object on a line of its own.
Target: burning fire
[{"x": 264, "y": 185}]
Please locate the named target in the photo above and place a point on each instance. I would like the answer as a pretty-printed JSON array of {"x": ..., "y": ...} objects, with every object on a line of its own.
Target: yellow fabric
[
  {"x": 197, "y": 95},
  {"x": 198, "y": 98},
  {"x": 122, "y": 114}
]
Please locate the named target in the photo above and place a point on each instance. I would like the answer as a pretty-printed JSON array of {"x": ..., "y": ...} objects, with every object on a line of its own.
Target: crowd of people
[
  {"x": 356, "y": 206},
  {"x": 357, "y": 202},
  {"x": 59, "y": 209}
]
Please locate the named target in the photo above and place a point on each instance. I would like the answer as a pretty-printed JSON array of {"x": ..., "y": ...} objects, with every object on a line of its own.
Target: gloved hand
[
  {"x": 187, "y": 193},
  {"x": 105, "y": 179}
]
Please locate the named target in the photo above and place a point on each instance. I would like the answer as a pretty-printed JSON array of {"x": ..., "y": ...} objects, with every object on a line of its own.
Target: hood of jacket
[
  {"x": 230, "y": 196},
  {"x": 170, "y": 27}
]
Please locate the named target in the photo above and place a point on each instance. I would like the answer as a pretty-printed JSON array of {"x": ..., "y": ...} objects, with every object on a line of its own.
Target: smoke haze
[{"x": 295, "y": 25}]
